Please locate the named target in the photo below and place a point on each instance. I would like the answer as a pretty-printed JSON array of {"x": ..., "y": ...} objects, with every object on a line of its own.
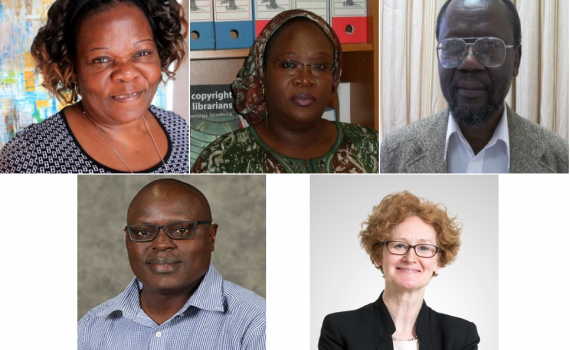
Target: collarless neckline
[
  {"x": 334, "y": 147},
  {"x": 112, "y": 170}
]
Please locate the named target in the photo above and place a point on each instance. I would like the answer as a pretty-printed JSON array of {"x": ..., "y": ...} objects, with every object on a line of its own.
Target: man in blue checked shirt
[{"x": 177, "y": 300}]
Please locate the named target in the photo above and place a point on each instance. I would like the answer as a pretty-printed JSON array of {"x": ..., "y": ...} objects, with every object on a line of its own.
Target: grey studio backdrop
[
  {"x": 238, "y": 207},
  {"x": 343, "y": 278}
]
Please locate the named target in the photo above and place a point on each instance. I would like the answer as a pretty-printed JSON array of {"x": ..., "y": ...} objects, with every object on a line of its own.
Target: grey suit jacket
[{"x": 419, "y": 147}]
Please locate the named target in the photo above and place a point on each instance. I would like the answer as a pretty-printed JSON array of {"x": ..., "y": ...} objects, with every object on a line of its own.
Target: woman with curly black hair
[{"x": 112, "y": 54}]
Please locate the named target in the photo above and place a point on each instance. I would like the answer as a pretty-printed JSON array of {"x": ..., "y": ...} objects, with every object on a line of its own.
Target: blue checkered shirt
[{"x": 219, "y": 315}]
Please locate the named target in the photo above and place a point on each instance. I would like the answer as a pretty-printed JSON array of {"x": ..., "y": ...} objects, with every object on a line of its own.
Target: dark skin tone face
[
  {"x": 169, "y": 269},
  {"x": 472, "y": 87},
  {"x": 295, "y": 104},
  {"x": 117, "y": 69}
]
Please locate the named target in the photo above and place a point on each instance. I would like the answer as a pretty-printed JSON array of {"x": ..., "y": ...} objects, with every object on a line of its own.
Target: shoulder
[
  {"x": 171, "y": 121},
  {"x": 348, "y": 318},
  {"x": 354, "y": 329},
  {"x": 422, "y": 138},
  {"x": 93, "y": 322},
  {"x": 239, "y": 297},
  {"x": 419, "y": 130},
  {"x": 456, "y": 332},
  {"x": 539, "y": 134},
  {"x": 448, "y": 322},
  {"x": 223, "y": 154},
  {"x": 357, "y": 130},
  {"x": 536, "y": 136},
  {"x": 20, "y": 154},
  {"x": 246, "y": 312}
]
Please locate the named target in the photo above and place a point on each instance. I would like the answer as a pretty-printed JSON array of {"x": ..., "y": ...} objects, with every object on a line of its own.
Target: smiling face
[
  {"x": 473, "y": 91},
  {"x": 298, "y": 100},
  {"x": 409, "y": 272},
  {"x": 165, "y": 265},
  {"x": 117, "y": 66}
]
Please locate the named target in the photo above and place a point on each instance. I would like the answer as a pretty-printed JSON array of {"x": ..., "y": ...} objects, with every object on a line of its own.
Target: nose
[
  {"x": 410, "y": 256},
  {"x": 162, "y": 241},
  {"x": 304, "y": 77},
  {"x": 470, "y": 62},
  {"x": 124, "y": 72}
]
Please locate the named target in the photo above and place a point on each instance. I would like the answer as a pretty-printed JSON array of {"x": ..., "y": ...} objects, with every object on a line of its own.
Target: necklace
[
  {"x": 411, "y": 339},
  {"x": 117, "y": 152}
]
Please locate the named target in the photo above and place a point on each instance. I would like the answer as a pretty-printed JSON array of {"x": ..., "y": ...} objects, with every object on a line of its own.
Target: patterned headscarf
[{"x": 247, "y": 87}]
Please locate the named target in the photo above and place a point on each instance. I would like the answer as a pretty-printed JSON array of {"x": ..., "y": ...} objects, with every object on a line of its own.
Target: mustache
[
  {"x": 473, "y": 77},
  {"x": 162, "y": 261}
]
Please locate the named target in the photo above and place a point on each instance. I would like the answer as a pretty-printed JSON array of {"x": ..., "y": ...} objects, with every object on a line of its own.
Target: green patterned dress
[{"x": 243, "y": 151}]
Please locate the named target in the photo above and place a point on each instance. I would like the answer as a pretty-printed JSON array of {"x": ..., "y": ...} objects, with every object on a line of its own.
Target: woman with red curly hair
[
  {"x": 408, "y": 239},
  {"x": 105, "y": 59}
]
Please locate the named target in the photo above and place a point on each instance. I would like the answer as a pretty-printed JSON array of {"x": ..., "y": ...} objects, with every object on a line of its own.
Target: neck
[
  {"x": 478, "y": 136},
  {"x": 160, "y": 307},
  {"x": 307, "y": 142},
  {"x": 404, "y": 308}
]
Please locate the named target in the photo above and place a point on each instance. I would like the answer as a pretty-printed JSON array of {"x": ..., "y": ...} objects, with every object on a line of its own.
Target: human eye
[
  {"x": 452, "y": 45},
  {"x": 142, "y": 231},
  {"x": 181, "y": 229},
  {"x": 101, "y": 60},
  {"x": 144, "y": 53},
  {"x": 320, "y": 66},
  {"x": 287, "y": 64}
]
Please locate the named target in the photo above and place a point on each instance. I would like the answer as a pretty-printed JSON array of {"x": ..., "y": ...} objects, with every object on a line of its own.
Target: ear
[
  {"x": 518, "y": 55},
  {"x": 437, "y": 266},
  {"x": 212, "y": 236}
]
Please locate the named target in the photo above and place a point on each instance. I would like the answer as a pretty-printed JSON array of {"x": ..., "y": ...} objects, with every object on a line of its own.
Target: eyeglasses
[
  {"x": 490, "y": 52},
  {"x": 319, "y": 70},
  {"x": 421, "y": 250},
  {"x": 175, "y": 230}
]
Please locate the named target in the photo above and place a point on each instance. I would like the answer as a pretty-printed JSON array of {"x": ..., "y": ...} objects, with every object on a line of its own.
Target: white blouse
[{"x": 407, "y": 345}]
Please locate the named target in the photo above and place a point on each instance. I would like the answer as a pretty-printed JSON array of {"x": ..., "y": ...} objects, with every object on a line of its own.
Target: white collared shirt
[{"x": 493, "y": 158}]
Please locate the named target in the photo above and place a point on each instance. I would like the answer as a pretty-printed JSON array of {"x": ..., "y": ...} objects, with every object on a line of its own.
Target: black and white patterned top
[{"x": 51, "y": 147}]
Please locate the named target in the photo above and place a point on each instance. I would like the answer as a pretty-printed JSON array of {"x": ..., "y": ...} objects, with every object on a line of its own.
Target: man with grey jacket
[{"x": 479, "y": 53}]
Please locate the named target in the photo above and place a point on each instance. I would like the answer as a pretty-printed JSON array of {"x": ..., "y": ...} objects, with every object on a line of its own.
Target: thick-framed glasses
[
  {"x": 320, "y": 70},
  {"x": 175, "y": 230},
  {"x": 421, "y": 250},
  {"x": 490, "y": 52}
]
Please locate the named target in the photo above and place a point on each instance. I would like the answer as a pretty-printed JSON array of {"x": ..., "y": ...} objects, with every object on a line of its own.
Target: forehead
[
  {"x": 299, "y": 34},
  {"x": 414, "y": 230},
  {"x": 125, "y": 17},
  {"x": 477, "y": 18},
  {"x": 167, "y": 203}
]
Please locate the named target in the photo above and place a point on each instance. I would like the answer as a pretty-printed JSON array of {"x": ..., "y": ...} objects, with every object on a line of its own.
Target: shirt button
[{"x": 158, "y": 334}]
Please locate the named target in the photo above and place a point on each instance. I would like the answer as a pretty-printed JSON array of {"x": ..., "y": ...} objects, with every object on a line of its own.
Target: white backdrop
[
  {"x": 343, "y": 278},
  {"x": 40, "y": 280}
]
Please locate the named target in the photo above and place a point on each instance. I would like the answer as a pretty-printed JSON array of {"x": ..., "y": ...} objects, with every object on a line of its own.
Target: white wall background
[{"x": 343, "y": 278}]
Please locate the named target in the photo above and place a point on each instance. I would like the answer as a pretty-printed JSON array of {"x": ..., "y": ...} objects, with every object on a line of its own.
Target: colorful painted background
[{"x": 22, "y": 99}]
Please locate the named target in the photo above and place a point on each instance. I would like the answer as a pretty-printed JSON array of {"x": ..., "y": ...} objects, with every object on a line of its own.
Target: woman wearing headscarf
[
  {"x": 112, "y": 54},
  {"x": 408, "y": 239},
  {"x": 292, "y": 71}
]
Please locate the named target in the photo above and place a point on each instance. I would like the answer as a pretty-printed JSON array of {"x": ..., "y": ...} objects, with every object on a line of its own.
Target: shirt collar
[
  {"x": 208, "y": 296},
  {"x": 501, "y": 133}
]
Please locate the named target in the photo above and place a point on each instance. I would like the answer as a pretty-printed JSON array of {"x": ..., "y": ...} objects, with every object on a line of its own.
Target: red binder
[{"x": 349, "y": 20}]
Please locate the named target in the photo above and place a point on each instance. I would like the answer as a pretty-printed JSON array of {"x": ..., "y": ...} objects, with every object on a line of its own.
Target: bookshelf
[{"x": 360, "y": 68}]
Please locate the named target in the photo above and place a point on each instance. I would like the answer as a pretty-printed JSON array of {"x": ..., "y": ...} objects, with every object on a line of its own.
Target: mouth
[
  {"x": 163, "y": 265},
  {"x": 128, "y": 96},
  {"x": 303, "y": 100},
  {"x": 406, "y": 270}
]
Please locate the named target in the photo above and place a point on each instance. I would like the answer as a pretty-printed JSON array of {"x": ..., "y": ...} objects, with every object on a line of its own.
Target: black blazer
[{"x": 371, "y": 327}]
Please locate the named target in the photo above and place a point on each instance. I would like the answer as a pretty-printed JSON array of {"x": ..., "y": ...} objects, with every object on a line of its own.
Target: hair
[
  {"x": 394, "y": 209},
  {"x": 515, "y": 20},
  {"x": 53, "y": 47}
]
